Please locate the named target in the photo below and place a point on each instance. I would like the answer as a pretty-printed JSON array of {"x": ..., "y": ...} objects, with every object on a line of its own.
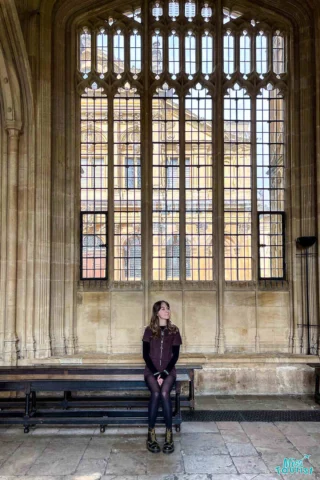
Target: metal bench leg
[
  {"x": 33, "y": 401},
  {"x": 66, "y": 398},
  {"x": 317, "y": 393},
  {"x": 191, "y": 390},
  {"x": 27, "y": 411}
]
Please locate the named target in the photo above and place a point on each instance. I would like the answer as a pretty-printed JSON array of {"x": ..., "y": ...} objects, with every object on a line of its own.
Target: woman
[{"x": 161, "y": 345}]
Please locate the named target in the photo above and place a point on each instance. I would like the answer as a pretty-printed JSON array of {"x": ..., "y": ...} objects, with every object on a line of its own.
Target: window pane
[
  {"x": 174, "y": 53},
  {"x": 94, "y": 151},
  {"x": 278, "y": 53},
  {"x": 198, "y": 176},
  {"x": 127, "y": 186},
  {"x": 270, "y": 182},
  {"x": 85, "y": 52},
  {"x": 102, "y": 52},
  {"x": 206, "y": 12},
  {"x": 118, "y": 53},
  {"x": 237, "y": 185},
  {"x": 93, "y": 246},
  {"x": 157, "y": 11},
  {"x": 270, "y": 151},
  {"x": 166, "y": 174},
  {"x": 207, "y": 53},
  {"x": 190, "y": 10},
  {"x": 245, "y": 53},
  {"x": 173, "y": 10},
  {"x": 190, "y": 54},
  {"x": 228, "y": 53},
  {"x": 261, "y": 53},
  {"x": 157, "y": 53},
  {"x": 271, "y": 246},
  {"x": 135, "y": 52}
]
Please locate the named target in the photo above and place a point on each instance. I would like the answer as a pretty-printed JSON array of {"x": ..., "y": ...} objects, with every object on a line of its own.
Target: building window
[
  {"x": 93, "y": 259},
  {"x": 156, "y": 118},
  {"x": 173, "y": 258},
  {"x": 132, "y": 258},
  {"x": 133, "y": 173},
  {"x": 127, "y": 181}
]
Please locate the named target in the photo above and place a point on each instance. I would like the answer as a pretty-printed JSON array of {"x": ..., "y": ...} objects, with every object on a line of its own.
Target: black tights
[{"x": 158, "y": 392}]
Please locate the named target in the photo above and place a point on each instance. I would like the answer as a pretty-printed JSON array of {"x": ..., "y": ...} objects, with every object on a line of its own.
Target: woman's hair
[{"x": 154, "y": 322}]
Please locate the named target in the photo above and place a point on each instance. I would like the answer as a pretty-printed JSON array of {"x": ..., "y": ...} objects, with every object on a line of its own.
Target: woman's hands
[
  {"x": 161, "y": 377},
  {"x": 160, "y": 381}
]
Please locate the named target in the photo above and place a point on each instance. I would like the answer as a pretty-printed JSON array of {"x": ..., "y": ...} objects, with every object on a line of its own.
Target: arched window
[{"x": 183, "y": 139}]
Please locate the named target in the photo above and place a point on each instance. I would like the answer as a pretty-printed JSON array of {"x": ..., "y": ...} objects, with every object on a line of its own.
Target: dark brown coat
[{"x": 161, "y": 349}]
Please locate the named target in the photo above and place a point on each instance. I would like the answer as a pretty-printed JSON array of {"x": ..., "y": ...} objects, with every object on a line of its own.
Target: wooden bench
[{"x": 33, "y": 409}]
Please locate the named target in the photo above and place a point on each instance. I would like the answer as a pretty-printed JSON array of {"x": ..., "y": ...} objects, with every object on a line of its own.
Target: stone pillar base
[
  {"x": 70, "y": 345},
  {"x": 10, "y": 353},
  {"x": 43, "y": 350}
]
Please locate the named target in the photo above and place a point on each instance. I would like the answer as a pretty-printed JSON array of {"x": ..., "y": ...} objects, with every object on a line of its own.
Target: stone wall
[{"x": 47, "y": 313}]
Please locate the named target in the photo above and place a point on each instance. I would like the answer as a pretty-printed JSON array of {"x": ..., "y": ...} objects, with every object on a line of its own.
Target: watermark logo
[{"x": 291, "y": 465}]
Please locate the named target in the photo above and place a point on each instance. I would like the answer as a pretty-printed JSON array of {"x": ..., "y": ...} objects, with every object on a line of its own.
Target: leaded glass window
[{"x": 182, "y": 124}]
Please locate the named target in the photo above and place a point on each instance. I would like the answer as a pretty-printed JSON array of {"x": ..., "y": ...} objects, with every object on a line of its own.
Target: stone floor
[{"x": 203, "y": 451}]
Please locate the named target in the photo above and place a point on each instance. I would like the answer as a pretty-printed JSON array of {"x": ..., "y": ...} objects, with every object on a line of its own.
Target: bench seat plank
[{"x": 182, "y": 377}]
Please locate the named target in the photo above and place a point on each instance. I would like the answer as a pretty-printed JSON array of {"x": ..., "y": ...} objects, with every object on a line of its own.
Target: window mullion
[
  {"x": 110, "y": 190},
  {"x": 254, "y": 218},
  {"x": 218, "y": 248},
  {"x": 126, "y": 35},
  {"x": 93, "y": 50},
  {"x": 146, "y": 168},
  {"x": 236, "y": 51},
  {"x": 270, "y": 51},
  {"x": 182, "y": 196}
]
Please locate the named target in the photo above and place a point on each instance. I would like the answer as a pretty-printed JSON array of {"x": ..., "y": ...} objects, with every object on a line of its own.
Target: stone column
[
  {"x": 218, "y": 195},
  {"x": 10, "y": 336}
]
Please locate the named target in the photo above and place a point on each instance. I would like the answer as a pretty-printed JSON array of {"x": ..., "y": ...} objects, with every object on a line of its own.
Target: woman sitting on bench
[{"x": 161, "y": 345}]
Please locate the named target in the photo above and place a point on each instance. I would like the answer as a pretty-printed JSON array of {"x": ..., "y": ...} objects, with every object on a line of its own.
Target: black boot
[
  {"x": 152, "y": 444},
  {"x": 168, "y": 446}
]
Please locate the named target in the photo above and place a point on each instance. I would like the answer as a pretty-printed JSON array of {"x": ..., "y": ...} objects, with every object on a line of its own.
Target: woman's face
[{"x": 164, "y": 312}]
